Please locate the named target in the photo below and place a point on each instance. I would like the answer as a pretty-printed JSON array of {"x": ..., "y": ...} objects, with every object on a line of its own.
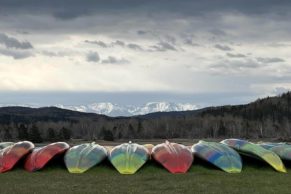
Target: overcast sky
[{"x": 131, "y": 51}]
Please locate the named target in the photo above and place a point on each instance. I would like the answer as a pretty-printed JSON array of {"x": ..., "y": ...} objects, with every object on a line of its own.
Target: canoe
[
  {"x": 256, "y": 151},
  {"x": 149, "y": 147},
  {"x": 176, "y": 158},
  {"x": 128, "y": 158},
  {"x": 283, "y": 150},
  {"x": 108, "y": 148},
  {"x": 41, "y": 156},
  {"x": 5, "y": 144},
  {"x": 10, "y": 155},
  {"x": 219, "y": 155},
  {"x": 81, "y": 158}
]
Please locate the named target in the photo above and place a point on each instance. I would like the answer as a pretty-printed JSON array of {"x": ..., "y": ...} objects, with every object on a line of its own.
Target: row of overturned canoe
[{"x": 128, "y": 158}]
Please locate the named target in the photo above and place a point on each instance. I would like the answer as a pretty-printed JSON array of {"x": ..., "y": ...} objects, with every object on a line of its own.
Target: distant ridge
[
  {"x": 269, "y": 117},
  {"x": 111, "y": 109}
]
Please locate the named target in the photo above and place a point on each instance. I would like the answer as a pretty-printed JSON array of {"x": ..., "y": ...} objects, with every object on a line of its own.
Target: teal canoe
[
  {"x": 218, "y": 154},
  {"x": 283, "y": 150},
  {"x": 81, "y": 158},
  {"x": 253, "y": 150}
]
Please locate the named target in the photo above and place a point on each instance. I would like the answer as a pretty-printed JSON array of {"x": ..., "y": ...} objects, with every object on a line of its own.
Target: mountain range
[
  {"x": 114, "y": 110},
  {"x": 268, "y": 117},
  {"x": 110, "y": 109}
]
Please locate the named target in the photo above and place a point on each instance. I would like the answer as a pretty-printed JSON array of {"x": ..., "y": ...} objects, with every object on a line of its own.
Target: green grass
[{"x": 257, "y": 177}]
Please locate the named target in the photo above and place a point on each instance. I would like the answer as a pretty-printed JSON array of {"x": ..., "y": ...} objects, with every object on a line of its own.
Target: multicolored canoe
[
  {"x": 149, "y": 147},
  {"x": 219, "y": 155},
  {"x": 256, "y": 151},
  {"x": 41, "y": 156},
  {"x": 10, "y": 155},
  {"x": 128, "y": 158},
  {"x": 5, "y": 144},
  {"x": 176, "y": 158},
  {"x": 283, "y": 150},
  {"x": 81, "y": 158}
]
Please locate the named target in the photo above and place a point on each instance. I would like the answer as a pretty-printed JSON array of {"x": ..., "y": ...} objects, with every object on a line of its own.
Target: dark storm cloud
[
  {"x": 222, "y": 47},
  {"x": 189, "y": 39},
  {"x": 99, "y": 43},
  {"x": 238, "y": 55},
  {"x": 141, "y": 32},
  {"x": 163, "y": 46},
  {"x": 191, "y": 43},
  {"x": 135, "y": 47},
  {"x": 10, "y": 42},
  {"x": 170, "y": 39},
  {"x": 49, "y": 53},
  {"x": 93, "y": 57},
  {"x": 218, "y": 32},
  {"x": 114, "y": 60},
  {"x": 149, "y": 19},
  {"x": 106, "y": 45},
  {"x": 69, "y": 9},
  {"x": 270, "y": 60},
  {"x": 227, "y": 66},
  {"x": 279, "y": 45},
  {"x": 119, "y": 43},
  {"x": 16, "y": 54}
]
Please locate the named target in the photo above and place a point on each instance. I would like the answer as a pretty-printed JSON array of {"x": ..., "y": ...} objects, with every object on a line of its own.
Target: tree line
[
  {"x": 265, "y": 118},
  {"x": 32, "y": 133}
]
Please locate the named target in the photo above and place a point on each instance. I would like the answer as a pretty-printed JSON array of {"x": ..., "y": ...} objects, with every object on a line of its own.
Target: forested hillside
[{"x": 264, "y": 118}]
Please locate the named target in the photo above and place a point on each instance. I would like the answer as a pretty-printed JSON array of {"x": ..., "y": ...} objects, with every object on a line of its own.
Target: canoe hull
[
  {"x": 256, "y": 151},
  {"x": 5, "y": 144},
  {"x": 80, "y": 158},
  {"x": 41, "y": 156},
  {"x": 176, "y": 158},
  {"x": 281, "y": 149},
  {"x": 128, "y": 158},
  {"x": 219, "y": 155},
  {"x": 10, "y": 155}
]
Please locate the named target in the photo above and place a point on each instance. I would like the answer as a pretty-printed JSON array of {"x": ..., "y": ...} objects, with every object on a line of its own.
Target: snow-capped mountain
[{"x": 111, "y": 109}]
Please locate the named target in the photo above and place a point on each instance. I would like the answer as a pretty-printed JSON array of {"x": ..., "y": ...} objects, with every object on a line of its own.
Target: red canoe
[
  {"x": 176, "y": 158},
  {"x": 10, "y": 155},
  {"x": 41, "y": 156}
]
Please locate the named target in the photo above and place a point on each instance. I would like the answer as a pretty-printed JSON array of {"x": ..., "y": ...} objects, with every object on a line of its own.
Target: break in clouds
[{"x": 177, "y": 47}]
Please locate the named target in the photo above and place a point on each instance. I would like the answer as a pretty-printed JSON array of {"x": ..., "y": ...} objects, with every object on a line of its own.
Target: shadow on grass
[
  {"x": 203, "y": 163},
  {"x": 287, "y": 164},
  {"x": 250, "y": 164}
]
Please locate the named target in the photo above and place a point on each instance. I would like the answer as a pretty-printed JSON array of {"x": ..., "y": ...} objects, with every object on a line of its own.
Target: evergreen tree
[
  {"x": 139, "y": 127},
  {"x": 102, "y": 133},
  {"x": 34, "y": 135},
  {"x": 22, "y": 132},
  {"x": 65, "y": 133},
  {"x": 51, "y": 134},
  {"x": 131, "y": 132},
  {"x": 106, "y": 135},
  {"x": 120, "y": 135},
  {"x": 221, "y": 130},
  {"x": 7, "y": 135}
]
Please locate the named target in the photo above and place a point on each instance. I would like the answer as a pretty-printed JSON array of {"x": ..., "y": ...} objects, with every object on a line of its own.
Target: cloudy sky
[{"x": 131, "y": 51}]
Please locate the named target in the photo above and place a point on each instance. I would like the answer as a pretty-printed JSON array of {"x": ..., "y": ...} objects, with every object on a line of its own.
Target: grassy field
[{"x": 257, "y": 177}]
